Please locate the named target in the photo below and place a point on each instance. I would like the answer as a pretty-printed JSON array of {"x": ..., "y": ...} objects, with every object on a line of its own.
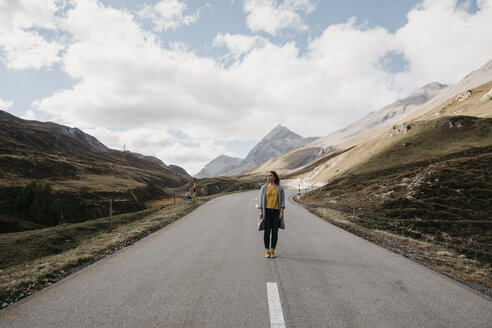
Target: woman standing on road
[{"x": 272, "y": 204}]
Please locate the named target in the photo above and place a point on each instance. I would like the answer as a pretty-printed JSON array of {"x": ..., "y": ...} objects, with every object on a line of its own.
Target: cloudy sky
[{"x": 186, "y": 81}]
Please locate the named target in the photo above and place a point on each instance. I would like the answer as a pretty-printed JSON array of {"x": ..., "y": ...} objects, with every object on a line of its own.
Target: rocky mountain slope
[
  {"x": 462, "y": 98},
  {"x": 83, "y": 173},
  {"x": 431, "y": 109},
  {"x": 219, "y": 166},
  {"x": 384, "y": 116},
  {"x": 358, "y": 151},
  {"x": 279, "y": 141}
]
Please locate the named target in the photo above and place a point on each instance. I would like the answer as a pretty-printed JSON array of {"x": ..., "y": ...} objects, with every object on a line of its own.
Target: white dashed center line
[{"x": 276, "y": 315}]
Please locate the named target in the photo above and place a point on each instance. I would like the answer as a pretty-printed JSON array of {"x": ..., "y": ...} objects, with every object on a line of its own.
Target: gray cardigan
[{"x": 262, "y": 205}]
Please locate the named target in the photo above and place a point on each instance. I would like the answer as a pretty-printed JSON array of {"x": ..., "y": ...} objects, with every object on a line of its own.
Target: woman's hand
[
  {"x": 281, "y": 215},
  {"x": 261, "y": 213}
]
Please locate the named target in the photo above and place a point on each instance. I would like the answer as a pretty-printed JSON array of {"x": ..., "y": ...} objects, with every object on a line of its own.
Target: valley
[{"x": 414, "y": 177}]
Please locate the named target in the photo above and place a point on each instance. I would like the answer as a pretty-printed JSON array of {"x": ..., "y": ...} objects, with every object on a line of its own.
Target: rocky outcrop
[{"x": 465, "y": 95}]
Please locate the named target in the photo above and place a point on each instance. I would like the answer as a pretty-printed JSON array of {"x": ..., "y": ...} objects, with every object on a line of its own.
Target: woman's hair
[{"x": 277, "y": 179}]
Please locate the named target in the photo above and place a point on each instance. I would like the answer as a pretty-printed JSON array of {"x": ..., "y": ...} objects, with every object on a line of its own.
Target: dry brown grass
[
  {"x": 86, "y": 182},
  {"x": 165, "y": 201},
  {"x": 471, "y": 106},
  {"x": 443, "y": 200},
  {"x": 100, "y": 183},
  {"x": 25, "y": 269}
]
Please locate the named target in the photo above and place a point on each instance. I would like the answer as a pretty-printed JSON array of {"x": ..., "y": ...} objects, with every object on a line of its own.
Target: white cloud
[
  {"x": 190, "y": 154},
  {"x": 193, "y": 159},
  {"x": 6, "y": 104},
  {"x": 129, "y": 80},
  {"x": 29, "y": 115},
  {"x": 238, "y": 44},
  {"x": 444, "y": 42},
  {"x": 271, "y": 16},
  {"x": 22, "y": 44},
  {"x": 336, "y": 80},
  {"x": 168, "y": 14}
]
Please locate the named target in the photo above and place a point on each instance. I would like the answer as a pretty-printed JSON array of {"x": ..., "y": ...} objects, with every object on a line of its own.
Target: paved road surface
[{"x": 208, "y": 270}]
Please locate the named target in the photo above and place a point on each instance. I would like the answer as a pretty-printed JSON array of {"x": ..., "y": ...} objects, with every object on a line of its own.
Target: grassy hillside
[
  {"x": 82, "y": 175},
  {"x": 425, "y": 140},
  {"x": 470, "y": 102},
  {"x": 434, "y": 184}
]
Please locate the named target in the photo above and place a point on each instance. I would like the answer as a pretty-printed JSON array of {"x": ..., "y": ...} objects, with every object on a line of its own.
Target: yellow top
[{"x": 272, "y": 197}]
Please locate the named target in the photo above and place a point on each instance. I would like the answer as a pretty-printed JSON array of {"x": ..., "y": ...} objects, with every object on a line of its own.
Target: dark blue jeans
[{"x": 272, "y": 222}]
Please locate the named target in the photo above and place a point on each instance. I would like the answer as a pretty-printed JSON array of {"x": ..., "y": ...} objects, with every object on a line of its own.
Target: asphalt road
[{"x": 208, "y": 270}]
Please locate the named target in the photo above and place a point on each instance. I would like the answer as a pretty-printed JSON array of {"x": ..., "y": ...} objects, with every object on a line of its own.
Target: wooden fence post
[{"x": 110, "y": 212}]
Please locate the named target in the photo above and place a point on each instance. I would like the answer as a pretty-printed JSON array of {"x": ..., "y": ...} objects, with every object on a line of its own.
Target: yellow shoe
[
  {"x": 272, "y": 253},
  {"x": 267, "y": 253}
]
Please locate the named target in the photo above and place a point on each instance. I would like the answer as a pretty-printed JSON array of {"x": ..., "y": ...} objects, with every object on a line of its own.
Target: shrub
[{"x": 38, "y": 203}]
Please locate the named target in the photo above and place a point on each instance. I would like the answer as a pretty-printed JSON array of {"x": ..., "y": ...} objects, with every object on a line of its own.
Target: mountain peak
[
  {"x": 280, "y": 132},
  {"x": 279, "y": 128},
  {"x": 430, "y": 89},
  {"x": 277, "y": 142}
]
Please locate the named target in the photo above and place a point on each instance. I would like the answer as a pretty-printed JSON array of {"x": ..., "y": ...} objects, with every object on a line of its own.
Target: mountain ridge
[
  {"x": 278, "y": 141},
  {"x": 83, "y": 172},
  {"x": 384, "y": 116},
  {"x": 371, "y": 142},
  {"x": 440, "y": 100},
  {"x": 219, "y": 165}
]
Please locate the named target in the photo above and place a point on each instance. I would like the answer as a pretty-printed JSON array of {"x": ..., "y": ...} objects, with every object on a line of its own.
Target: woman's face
[{"x": 270, "y": 177}]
